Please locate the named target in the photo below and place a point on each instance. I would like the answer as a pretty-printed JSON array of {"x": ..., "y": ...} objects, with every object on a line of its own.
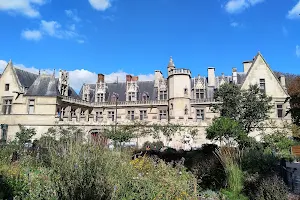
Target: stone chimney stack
[
  {"x": 282, "y": 81},
  {"x": 211, "y": 77},
  {"x": 135, "y": 78},
  {"x": 128, "y": 77},
  {"x": 234, "y": 75},
  {"x": 247, "y": 65},
  {"x": 100, "y": 78}
]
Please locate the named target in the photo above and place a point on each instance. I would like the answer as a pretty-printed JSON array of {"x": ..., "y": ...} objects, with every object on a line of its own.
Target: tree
[
  {"x": 168, "y": 130},
  {"x": 224, "y": 129},
  {"x": 120, "y": 134},
  {"x": 248, "y": 107},
  {"x": 294, "y": 100},
  {"x": 24, "y": 135}
]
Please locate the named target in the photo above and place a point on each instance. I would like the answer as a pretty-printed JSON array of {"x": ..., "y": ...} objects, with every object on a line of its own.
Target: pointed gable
[{"x": 261, "y": 70}]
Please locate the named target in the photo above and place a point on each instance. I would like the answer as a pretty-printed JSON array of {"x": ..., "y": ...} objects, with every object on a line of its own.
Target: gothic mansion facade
[{"x": 43, "y": 101}]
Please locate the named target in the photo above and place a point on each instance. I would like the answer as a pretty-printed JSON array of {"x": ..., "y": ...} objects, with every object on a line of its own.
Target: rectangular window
[
  {"x": 262, "y": 85},
  {"x": 6, "y": 87},
  {"x": 162, "y": 114},
  {"x": 131, "y": 96},
  {"x": 99, "y": 116},
  {"x": 163, "y": 95},
  {"x": 111, "y": 115},
  {"x": 7, "y": 104},
  {"x": 130, "y": 114},
  {"x": 200, "y": 114},
  {"x": 279, "y": 111},
  {"x": 199, "y": 94},
  {"x": 31, "y": 105},
  {"x": 143, "y": 114},
  {"x": 100, "y": 97},
  {"x": 85, "y": 97}
]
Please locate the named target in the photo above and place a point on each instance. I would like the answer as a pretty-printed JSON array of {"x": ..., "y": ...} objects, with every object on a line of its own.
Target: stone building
[{"x": 42, "y": 101}]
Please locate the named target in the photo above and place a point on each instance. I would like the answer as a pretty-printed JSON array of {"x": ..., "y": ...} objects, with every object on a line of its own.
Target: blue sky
[{"x": 116, "y": 37}]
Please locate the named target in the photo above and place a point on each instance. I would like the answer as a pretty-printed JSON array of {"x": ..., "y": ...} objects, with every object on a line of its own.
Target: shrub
[
  {"x": 272, "y": 188},
  {"x": 153, "y": 145}
]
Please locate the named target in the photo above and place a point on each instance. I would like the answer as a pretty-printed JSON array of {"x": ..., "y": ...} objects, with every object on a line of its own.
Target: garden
[{"x": 62, "y": 164}]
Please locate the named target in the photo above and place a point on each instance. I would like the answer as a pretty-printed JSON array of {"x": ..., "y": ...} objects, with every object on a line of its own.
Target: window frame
[
  {"x": 4, "y": 105},
  {"x": 6, "y": 87},
  {"x": 201, "y": 113},
  {"x": 111, "y": 114},
  {"x": 30, "y": 105},
  {"x": 143, "y": 114},
  {"x": 262, "y": 83},
  {"x": 279, "y": 110},
  {"x": 162, "y": 114}
]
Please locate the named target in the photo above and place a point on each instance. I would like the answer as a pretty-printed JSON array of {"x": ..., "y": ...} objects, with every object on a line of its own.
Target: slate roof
[
  {"x": 47, "y": 85},
  {"x": 120, "y": 88},
  {"x": 26, "y": 78},
  {"x": 44, "y": 85},
  {"x": 241, "y": 76}
]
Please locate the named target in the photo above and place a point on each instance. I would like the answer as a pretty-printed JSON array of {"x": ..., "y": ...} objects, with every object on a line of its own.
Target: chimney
[
  {"x": 234, "y": 75},
  {"x": 135, "y": 78},
  {"x": 282, "y": 81},
  {"x": 157, "y": 77},
  {"x": 247, "y": 65},
  {"x": 100, "y": 78},
  {"x": 128, "y": 77},
  {"x": 211, "y": 77}
]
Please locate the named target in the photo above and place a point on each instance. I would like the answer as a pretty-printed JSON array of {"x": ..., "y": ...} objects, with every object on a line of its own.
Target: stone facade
[{"x": 41, "y": 101}]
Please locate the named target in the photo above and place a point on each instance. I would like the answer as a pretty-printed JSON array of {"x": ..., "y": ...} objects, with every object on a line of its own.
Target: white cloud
[
  {"x": 73, "y": 15},
  {"x": 100, "y": 5},
  {"x": 3, "y": 64},
  {"x": 294, "y": 12},
  {"x": 237, "y": 6},
  {"x": 234, "y": 24},
  {"x": 26, "y": 7},
  {"x": 32, "y": 35},
  {"x": 80, "y": 76},
  {"x": 298, "y": 51},
  {"x": 52, "y": 29}
]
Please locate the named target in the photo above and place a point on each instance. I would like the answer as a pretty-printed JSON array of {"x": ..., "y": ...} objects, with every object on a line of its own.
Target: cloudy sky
[{"x": 119, "y": 37}]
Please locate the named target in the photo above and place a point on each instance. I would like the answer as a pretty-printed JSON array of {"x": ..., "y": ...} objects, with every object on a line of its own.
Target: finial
[
  {"x": 54, "y": 72},
  {"x": 39, "y": 72},
  {"x": 10, "y": 62},
  {"x": 171, "y": 62}
]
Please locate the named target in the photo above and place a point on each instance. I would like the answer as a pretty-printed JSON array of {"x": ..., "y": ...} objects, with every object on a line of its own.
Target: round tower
[{"x": 179, "y": 87}]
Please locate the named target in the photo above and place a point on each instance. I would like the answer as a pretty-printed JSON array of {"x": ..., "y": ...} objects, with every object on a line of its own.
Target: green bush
[
  {"x": 272, "y": 188},
  {"x": 153, "y": 145}
]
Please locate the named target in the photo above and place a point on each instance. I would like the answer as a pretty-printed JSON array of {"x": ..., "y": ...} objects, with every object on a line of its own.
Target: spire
[
  {"x": 54, "y": 73},
  {"x": 171, "y": 62}
]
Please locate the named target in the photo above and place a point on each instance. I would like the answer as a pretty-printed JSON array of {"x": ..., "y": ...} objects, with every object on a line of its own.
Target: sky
[{"x": 119, "y": 37}]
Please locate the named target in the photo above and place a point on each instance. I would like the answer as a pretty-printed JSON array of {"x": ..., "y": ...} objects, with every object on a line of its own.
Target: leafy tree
[
  {"x": 24, "y": 135},
  {"x": 120, "y": 134},
  {"x": 294, "y": 100},
  {"x": 248, "y": 107},
  {"x": 168, "y": 130},
  {"x": 224, "y": 129}
]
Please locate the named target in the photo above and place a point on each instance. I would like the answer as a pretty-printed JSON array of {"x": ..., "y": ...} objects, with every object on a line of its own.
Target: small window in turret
[{"x": 185, "y": 91}]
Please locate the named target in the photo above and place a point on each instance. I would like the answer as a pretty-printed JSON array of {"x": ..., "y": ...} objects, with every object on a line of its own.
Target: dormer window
[
  {"x": 163, "y": 95},
  {"x": 145, "y": 97},
  {"x": 199, "y": 94},
  {"x": 100, "y": 97},
  {"x": 131, "y": 96}
]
